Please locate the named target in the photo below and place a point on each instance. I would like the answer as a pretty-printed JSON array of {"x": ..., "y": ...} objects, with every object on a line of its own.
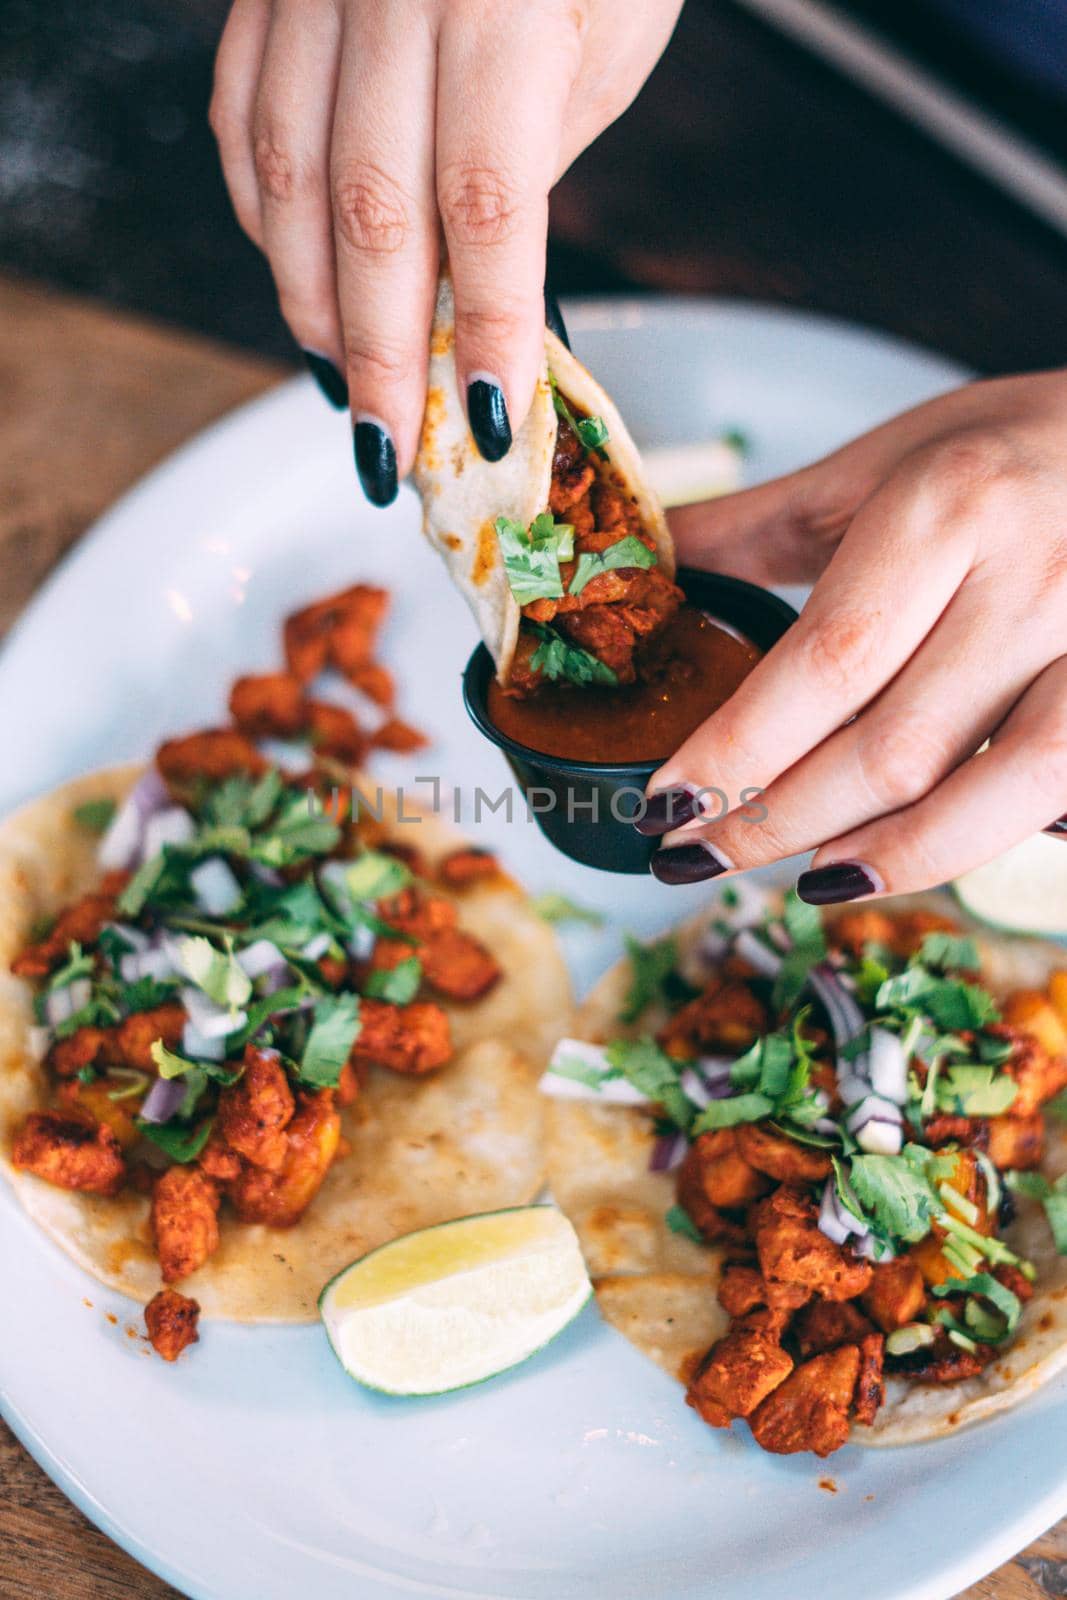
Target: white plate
[{"x": 255, "y": 1471}]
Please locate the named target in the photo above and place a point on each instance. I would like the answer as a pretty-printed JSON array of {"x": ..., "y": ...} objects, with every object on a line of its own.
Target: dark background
[{"x": 746, "y": 168}]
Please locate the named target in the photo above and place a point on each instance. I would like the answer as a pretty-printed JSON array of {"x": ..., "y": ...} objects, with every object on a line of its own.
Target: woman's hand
[
  {"x": 354, "y": 134},
  {"x": 938, "y": 548}
]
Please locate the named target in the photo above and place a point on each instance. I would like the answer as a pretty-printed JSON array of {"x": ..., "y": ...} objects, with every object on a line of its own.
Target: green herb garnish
[
  {"x": 96, "y": 815},
  {"x": 399, "y": 985},
  {"x": 652, "y": 1072},
  {"x": 628, "y": 552},
  {"x": 556, "y": 659},
  {"x": 558, "y": 909},
  {"x": 329, "y": 1044},
  {"x": 532, "y": 557},
  {"x": 678, "y": 1220}
]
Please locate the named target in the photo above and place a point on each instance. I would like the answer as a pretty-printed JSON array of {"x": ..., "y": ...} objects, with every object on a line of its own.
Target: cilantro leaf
[
  {"x": 555, "y": 658},
  {"x": 946, "y": 952},
  {"x": 593, "y": 432},
  {"x": 77, "y": 965},
  {"x": 678, "y": 1220},
  {"x": 808, "y": 947},
  {"x": 399, "y": 985},
  {"x": 180, "y": 1141},
  {"x": 241, "y": 802},
  {"x": 1053, "y": 1196},
  {"x": 964, "y": 1090},
  {"x": 557, "y": 909},
  {"x": 96, "y": 815},
  {"x": 216, "y": 972},
  {"x": 628, "y": 552},
  {"x": 988, "y": 1330},
  {"x": 896, "y": 1192},
  {"x": 642, "y": 1063},
  {"x": 374, "y": 875},
  {"x": 728, "y": 1113},
  {"x": 579, "y": 1071},
  {"x": 651, "y": 966},
  {"x": 532, "y": 557},
  {"x": 299, "y": 831},
  {"x": 329, "y": 1044}
]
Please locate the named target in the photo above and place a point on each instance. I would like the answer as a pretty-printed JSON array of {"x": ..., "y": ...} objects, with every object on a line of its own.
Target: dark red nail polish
[
  {"x": 670, "y": 808},
  {"x": 842, "y": 880},
  {"x": 1058, "y": 829},
  {"x": 688, "y": 863}
]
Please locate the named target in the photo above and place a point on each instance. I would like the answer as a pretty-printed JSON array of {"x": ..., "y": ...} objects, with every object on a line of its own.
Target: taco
[
  {"x": 561, "y": 549},
  {"x": 814, "y": 1169},
  {"x": 261, "y": 1026}
]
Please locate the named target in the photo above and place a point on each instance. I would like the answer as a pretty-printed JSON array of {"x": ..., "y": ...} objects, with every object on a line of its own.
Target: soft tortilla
[
  {"x": 462, "y": 494},
  {"x": 658, "y": 1288},
  {"x": 464, "y": 1140}
]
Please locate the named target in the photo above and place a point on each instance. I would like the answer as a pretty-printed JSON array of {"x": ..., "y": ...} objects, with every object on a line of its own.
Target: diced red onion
[
  {"x": 871, "y": 1249},
  {"x": 753, "y": 950},
  {"x": 872, "y": 1108},
  {"x": 695, "y": 1089},
  {"x": 172, "y": 826},
  {"x": 825, "y": 1125},
  {"x": 714, "y": 944},
  {"x": 163, "y": 1099},
  {"x": 120, "y": 846},
  {"x": 261, "y": 958},
  {"x": 668, "y": 1152},
  {"x": 842, "y": 1009},
  {"x": 61, "y": 1004},
  {"x": 157, "y": 963},
  {"x": 317, "y": 947},
  {"x": 200, "y": 1045},
  {"x": 216, "y": 889},
  {"x": 835, "y": 1219},
  {"x": 886, "y": 1066},
  {"x": 852, "y": 1089},
  {"x": 267, "y": 875},
  {"x": 209, "y": 1019}
]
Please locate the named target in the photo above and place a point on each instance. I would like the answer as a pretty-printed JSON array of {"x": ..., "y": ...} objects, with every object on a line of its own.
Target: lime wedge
[
  {"x": 683, "y": 473},
  {"x": 457, "y": 1303},
  {"x": 1023, "y": 891}
]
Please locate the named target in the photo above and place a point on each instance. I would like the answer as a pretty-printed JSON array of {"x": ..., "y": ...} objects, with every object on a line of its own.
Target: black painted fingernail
[
  {"x": 689, "y": 863},
  {"x": 670, "y": 808},
  {"x": 487, "y": 414},
  {"x": 375, "y": 462},
  {"x": 843, "y": 880},
  {"x": 330, "y": 381},
  {"x": 554, "y": 318},
  {"x": 1058, "y": 829}
]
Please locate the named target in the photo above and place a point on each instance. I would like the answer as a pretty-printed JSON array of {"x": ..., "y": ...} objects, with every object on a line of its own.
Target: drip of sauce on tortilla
[{"x": 698, "y": 663}]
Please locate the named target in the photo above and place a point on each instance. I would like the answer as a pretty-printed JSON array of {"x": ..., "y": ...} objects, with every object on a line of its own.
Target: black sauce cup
[{"x": 586, "y": 808}]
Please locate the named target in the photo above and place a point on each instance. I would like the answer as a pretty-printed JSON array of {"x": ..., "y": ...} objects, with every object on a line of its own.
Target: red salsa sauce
[{"x": 691, "y": 669}]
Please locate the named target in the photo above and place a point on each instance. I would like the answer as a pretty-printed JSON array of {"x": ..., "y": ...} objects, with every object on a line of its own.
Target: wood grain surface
[{"x": 89, "y": 401}]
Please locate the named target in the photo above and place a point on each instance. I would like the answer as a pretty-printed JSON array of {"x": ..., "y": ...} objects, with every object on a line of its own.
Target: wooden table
[{"x": 89, "y": 401}]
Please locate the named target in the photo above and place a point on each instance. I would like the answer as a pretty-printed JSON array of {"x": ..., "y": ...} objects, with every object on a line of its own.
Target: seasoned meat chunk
[
  {"x": 217, "y": 1160},
  {"x": 781, "y": 1157},
  {"x": 414, "y": 1038},
  {"x": 870, "y": 1385},
  {"x": 72, "y": 1152},
  {"x": 335, "y": 732},
  {"x": 399, "y": 736},
  {"x": 896, "y": 1293},
  {"x": 340, "y": 631},
  {"x": 454, "y": 962},
  {"x": 171, "y": 1320},
  {"x": 741, "y": 1371},
  {"x": 1030, "y": 1012},
  {"x": 376, "y": 682},
  {"x": 279, "y": 1199},
  {"x": 741, "y": 1290},
  {"x": 254, "y": 1112},
  {"x": 269, "y": 706},
  {"x": 93, "y": 1101},
  {"x": 726, "y": 1016},
  {"x": 721, "y": 1172},
  {"x": 1016, "y": 1142},
  {"x": 83, "y": 922},
  {"x": 461, "y": 868},
  {"x": 1039, "y": 1072},
  {"x": 185, "y": 1204},
  {"x": 825, "y": 1324},
  {"x": 128, "y": 1044},
  {"x": 214, "y": 754},
  {"x": 792, "y": 1249},
  {"x": 714, "y": 1227},
  {"x": 809, "y": 1411}
]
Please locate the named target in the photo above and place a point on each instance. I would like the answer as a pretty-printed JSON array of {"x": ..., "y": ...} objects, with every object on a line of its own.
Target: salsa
[{"x": 691, "y": 669}]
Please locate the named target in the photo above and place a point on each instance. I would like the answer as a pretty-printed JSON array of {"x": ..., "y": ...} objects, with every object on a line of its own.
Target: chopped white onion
[
  {"x": 887, "y": 1067},
  {"x": 880, "y": 1138},
  {"x": 216, "y": 889},
  {"x": 317, "y": 947},
  {"x": 872, "y": 1108},
  {"x": 201, "y": 1045},
  {"x": 753, "y": 950},
  {"x": 121, "y": 844},
  {"x": 213, "y": 1021},
  {"x": 852, "y": 1088},
  {"x": 260, "y": 958},
  {"x": 842, "y": 1008},
  {"x": 361, "y": 943},
  {"x": 695, "y": 1089},
  {"x": 172, "y": 826},
  {"x": 613, "y": 1091},
  {"x": 871, "y": 1249},
  {"x": 38, "y": 1042},
  {"x": 158, "y": 964}
]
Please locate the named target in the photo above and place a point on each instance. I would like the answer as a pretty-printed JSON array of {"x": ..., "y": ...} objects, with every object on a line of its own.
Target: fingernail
[
  {"x": 554, "y": 318},
  {"x": 487, "y": 414},
  {"x": 1058, "y": 829},
  {"x": 670, "y": 808},
  {"x": 375, "y": 461},
  {"x": 689, "y": 863},
  {"x": 330, "y": 381},
  {"x": 843, "y": 880}
]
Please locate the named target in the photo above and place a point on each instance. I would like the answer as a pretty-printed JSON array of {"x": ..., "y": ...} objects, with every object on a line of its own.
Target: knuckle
[
  {"x": 275, "y": 163},
  {"x": 479, "y": 205},
  {"x": 371, "y": 209},
  {"x": 970, "y": 469},
  {"x": 835, "y": 653},
  {"x": 901, "y": 758},
  {"x": 497, "y": 327},
  {"x": 373, "y": 362}
]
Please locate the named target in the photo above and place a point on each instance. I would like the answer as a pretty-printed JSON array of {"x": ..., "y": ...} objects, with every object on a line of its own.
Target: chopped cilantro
[
  {"x": 216, "y": 972},
  {"x": 580, "y": 1071},
  {"x": 555, "y": 658},
  {"x": 975, "y": 1091},
  {"x": 642, "y": 1063},
  {"x": 947, "y": 952},
  {"x": 678, "y": 1220},
  {"x": 95, "y": 815},
  {"x": 532, "y": 557},
  {"x": 180, "y": 1141},
  {"x": 399, "y": 985},
  {"x": 296, "y": 833},
  {"x": 77, "y": 965},
  {"x": 241, "y": 802},
  {"x": 628, "y": 552},
  {"x": 591, "y": 432},
  {"x": 737, "y": 440},
  {"x": 376, "y": 876},
  {"x": 557, "y": 909},
  {"x": 981, "y": 1325},
  {"x": 333, "y": 1033},
  {"x": 728, "y": 1113},
  {"x": 808, "y": 947},
  {"x": 895, "y": 1191},
  {"x": 1053, "y": 1196},
  {"x": 651, "y": 968}
]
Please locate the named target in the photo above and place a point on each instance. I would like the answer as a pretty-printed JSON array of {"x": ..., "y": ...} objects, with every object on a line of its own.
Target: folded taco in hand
[
  {"x": 561, "y": 549},
  {"x": 816, "y": 1168},
  {"x": 254, "y": 1031}
]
